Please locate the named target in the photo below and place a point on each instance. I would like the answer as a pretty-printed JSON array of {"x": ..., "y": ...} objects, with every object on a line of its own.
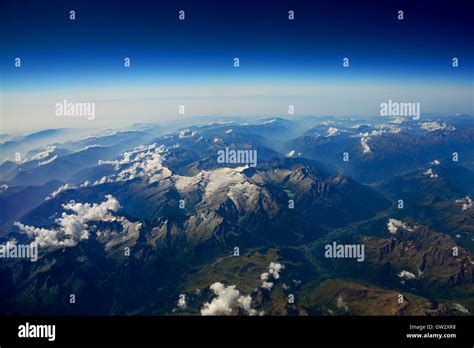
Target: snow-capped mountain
[{"x": 160, "y": 210}]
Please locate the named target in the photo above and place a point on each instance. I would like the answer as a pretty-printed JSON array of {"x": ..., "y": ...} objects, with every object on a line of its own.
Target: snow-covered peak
[
  {"x": 332, "y": 131},
  {"x": 433, "y": 126},
  {"x": 142, "y": 161},
  {"x": 186, "y": 133}
]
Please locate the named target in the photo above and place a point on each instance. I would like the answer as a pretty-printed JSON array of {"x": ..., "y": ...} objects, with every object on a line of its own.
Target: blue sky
[{"x": 409, "y": 59}]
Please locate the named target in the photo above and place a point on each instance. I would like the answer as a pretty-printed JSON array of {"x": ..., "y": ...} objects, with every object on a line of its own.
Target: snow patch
[{"x": 332, "y": 131}]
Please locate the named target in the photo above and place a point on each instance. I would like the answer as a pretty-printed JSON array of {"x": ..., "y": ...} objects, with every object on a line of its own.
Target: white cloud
[
  {"x": 245, "y": 302},
  {"x": 228, "y": 298},
  {"x": 466, "y": 202},
  {"x": 46, "y": 238},
  {"x": 221, "y": 305},
  {"x": 72, "y": 228},
  {"x": 273, "y": 273},
  {"x": 275, "y": 268},
  {"x": 430, "y": 173},
  {"x": 406, "y": 275},
  {"x": 266, "y": 284},
  {"x": 394, "y": 225},
  {"x": 102, "y": 180},
  {"x": 182, "y": 301},
  {"x": 65, "y": 187}
]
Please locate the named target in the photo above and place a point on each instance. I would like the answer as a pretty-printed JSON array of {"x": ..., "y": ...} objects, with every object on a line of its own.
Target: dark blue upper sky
[
  {"x": 190, "y": 62},
  {"x": 57, "y": 51}
]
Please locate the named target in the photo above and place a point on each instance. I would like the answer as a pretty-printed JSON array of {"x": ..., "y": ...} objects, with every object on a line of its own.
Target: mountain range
[{"x": 147, "y": 221}]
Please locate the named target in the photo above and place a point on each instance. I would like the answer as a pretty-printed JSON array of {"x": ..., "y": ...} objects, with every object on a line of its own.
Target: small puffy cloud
[
  {"x": 94, "y": 211},
  {"x": 266, "y": 284},
  {"x": 228, "y": 298},
  {"x": 102, "y": 180},
  {"x": 393, "y": 225},
  {"x": 182, "y": 301},
  {"x": 275, "y": 268},
  {"x": 430, "y": 173},
  {"x": 245, "y": 302},
  {"x": 406, "y": 275},
  {"x": 273, "y": 273},
  {"x": 466, "y": 202}
]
